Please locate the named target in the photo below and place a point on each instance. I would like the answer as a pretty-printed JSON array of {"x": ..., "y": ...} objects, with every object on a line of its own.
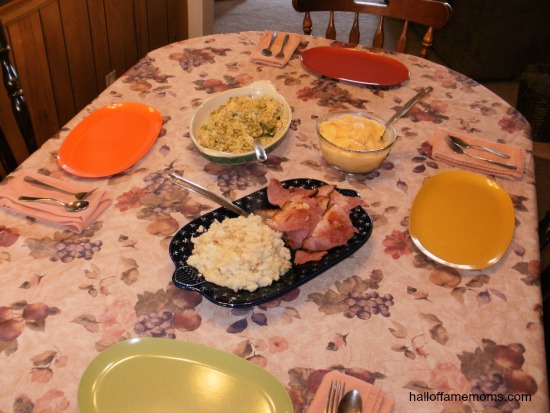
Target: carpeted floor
[{"x": 242, "y": 15}]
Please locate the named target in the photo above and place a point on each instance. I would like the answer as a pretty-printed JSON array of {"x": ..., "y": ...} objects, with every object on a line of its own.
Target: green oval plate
[{"x": 162, "y": 375}]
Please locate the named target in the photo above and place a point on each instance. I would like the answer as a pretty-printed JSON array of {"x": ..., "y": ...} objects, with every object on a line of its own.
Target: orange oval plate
[
  {"x": 462, "y": 219},
  {"x": 353, "y": 65},
  {"x": 110, "y": 140}
]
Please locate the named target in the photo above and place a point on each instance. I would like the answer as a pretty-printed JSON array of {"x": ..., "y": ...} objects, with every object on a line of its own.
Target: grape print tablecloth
[{"x": 387, "y": 314}]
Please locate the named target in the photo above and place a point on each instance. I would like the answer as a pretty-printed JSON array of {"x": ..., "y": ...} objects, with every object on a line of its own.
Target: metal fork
[
  {"x": 335, "y": 394},
  {"x": 461, "y": 151},
  {"x": 77, "y": 195},
  {"x": 281, "y": 53}
]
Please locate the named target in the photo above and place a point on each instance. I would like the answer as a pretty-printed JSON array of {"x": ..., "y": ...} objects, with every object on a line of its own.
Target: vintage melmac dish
[
  {"x": 164, "y": 376},
  {"x": 110, "y": 140},
  {"x": 188, "y": 278},
  {"x": 261, "y": 88},
  {"x": 355, "y": 65},
  {"x": 462, "y": 219}
]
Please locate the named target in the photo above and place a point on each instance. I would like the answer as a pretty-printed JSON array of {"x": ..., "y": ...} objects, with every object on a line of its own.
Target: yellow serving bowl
[{"x": 354, "y": 161}]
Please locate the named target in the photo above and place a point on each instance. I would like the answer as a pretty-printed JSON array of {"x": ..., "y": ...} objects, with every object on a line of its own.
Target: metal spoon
[
  {"x": 351, "y": 403},
  {"x": 261, "y": 155},
  {"x": 461, "y": 151},
  {"x": 465, "y": 145},
  {"x": 407, "y": 106},
  {"x": 73, "y": 206},
  {"x": 77, "y": 195},
  {"x": 267, "y": 50},
  {"x": 181, "y": 181}
]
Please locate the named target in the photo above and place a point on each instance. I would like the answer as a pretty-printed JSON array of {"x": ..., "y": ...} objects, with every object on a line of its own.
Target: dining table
[{"x": 439, "y": 335}]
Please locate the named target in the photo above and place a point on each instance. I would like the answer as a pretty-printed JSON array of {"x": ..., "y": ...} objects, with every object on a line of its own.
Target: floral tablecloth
[{"x": 443, "y": 331}]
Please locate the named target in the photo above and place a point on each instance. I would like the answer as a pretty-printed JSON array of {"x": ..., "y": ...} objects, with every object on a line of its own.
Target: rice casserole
[{"x": 233, "y": 126}]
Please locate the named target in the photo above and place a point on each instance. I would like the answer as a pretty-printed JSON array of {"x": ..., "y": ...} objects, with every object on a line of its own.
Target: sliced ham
[
  {"x": 293, "y": 215},
  {"x": 312, "y": 220},
  {"x": 295, "y": 238},
  {"x": 302, "y": 214},
  {"x": 325, "y": 190},
  {"x": 266, "y": 214},
  {"x": 335, "y": 229},
  {"x": 345, "y": 202},
  {"x": 306, "y": 224},
  {"x": 302, "y": 256},
  {"x": 278, "y": 195}
]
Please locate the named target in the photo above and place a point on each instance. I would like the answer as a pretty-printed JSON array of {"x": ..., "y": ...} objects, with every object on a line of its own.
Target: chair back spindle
[{"x": 433, "y": 14}]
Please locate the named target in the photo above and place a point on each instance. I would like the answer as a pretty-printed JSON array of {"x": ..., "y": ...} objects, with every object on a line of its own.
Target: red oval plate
[
  {"x": 352, "y": 65},
  {"x": 110, "y": 140}
]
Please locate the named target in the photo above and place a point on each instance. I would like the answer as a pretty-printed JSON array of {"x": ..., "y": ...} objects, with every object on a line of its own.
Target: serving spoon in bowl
[
  {"x": 259, "y": 150},
  {"x": 73, "y": 206},
  {"x": 407, "y": 106}
]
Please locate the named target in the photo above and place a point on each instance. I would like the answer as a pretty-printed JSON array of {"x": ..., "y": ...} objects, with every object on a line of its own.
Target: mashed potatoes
[
  {"x": 234, "y": 126},
  {"x": 240, "y": 253},
  {"x": 353, "y": 132}
]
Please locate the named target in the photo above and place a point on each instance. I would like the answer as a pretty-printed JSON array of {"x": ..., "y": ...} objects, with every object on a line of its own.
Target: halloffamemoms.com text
[{"x": 457, "y": 397}]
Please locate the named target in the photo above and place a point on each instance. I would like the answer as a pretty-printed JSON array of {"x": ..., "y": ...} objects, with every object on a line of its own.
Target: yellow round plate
[
  {"x": 462, "y": 219},
  {"x": 168, "y": 376}
]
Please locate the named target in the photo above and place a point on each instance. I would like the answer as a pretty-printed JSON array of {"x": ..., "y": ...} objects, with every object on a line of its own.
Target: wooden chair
[
  {"x": 434, "y": 14},
  {"x": 18, "y": 105},
  {"x": 7, "y": 160}
]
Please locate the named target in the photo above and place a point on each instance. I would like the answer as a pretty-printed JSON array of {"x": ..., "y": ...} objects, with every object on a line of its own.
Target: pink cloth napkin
[
  {"x": 292, "y": 44},
  {"x": 374, "y": 399},
  {"x": 50, "y": 211},
  {"x": 442, "y": 152}
]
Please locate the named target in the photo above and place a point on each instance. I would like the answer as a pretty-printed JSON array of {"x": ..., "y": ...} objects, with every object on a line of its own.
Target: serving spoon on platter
[{"x": 181, "y": 181}]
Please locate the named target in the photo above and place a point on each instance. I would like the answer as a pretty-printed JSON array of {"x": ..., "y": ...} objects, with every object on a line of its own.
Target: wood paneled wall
[{"x": 64, "y": 49}]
